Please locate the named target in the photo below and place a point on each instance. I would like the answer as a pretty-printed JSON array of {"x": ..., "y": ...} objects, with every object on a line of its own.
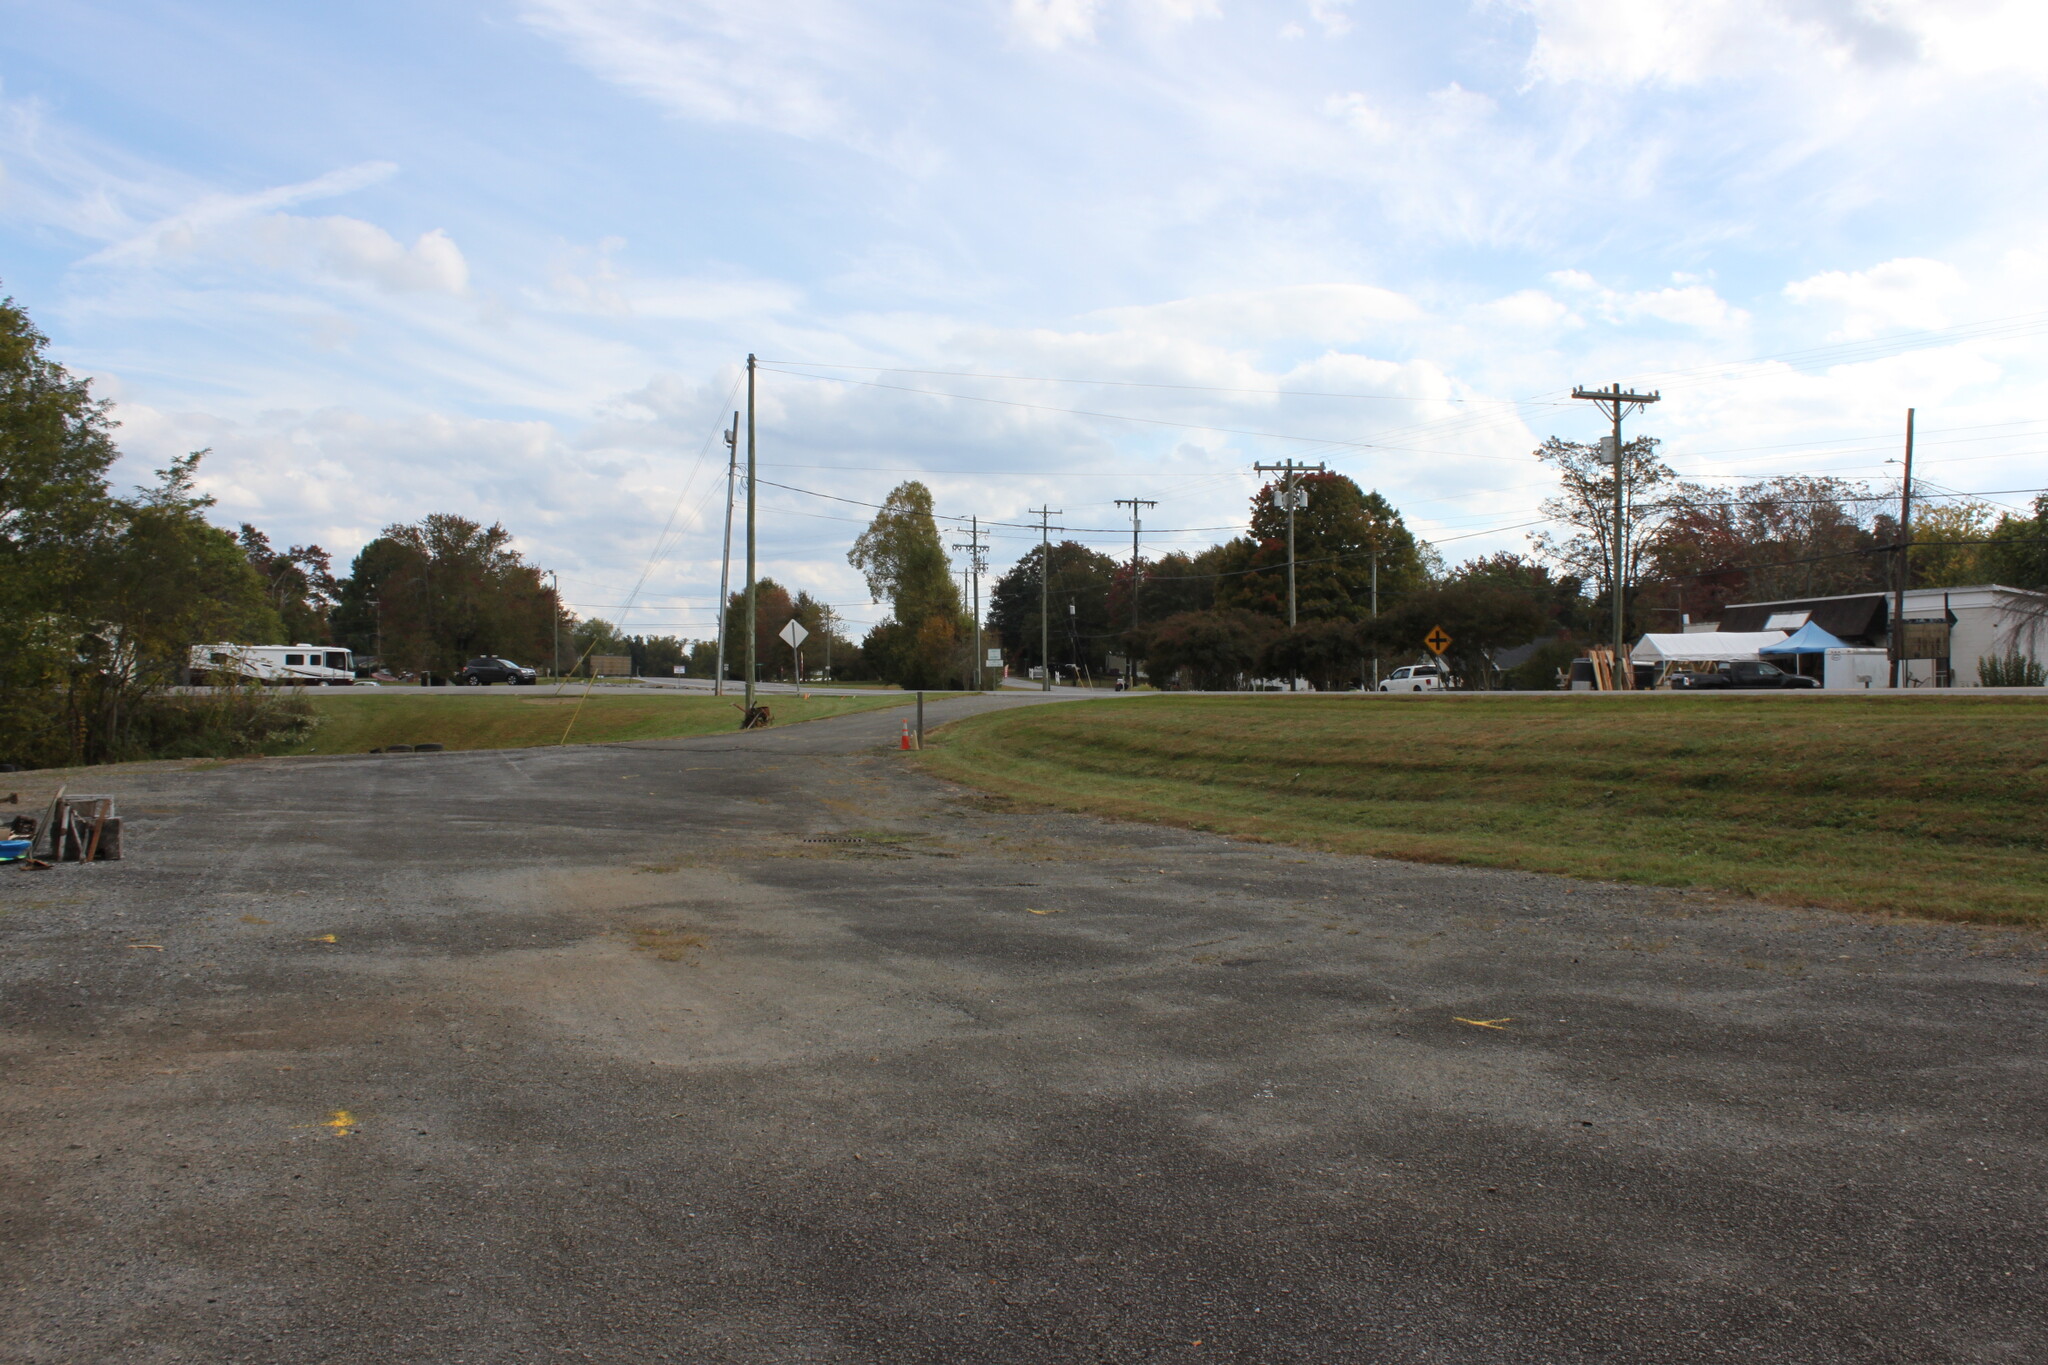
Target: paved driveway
[{"x": 631, "y": 1053}]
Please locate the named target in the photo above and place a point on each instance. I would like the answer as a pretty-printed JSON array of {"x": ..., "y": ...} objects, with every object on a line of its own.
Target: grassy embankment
[
  {"x": 1915, "y": 805},
  {"x": 505, "y": 718}
]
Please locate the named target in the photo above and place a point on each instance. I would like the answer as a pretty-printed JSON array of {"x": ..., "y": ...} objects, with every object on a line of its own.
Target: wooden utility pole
[
  {"x": 977, "y": 561},
  {"x": 554, "y": 609},
  {"x": 1134, "y": 504},
  {"x": 1904, "y": 567},
  {"x": 732, "y": 469},
  {"x": 753, "y": 595},
  {"x": 1137, "y": 566},
  {"x": 1294, "y": 498},
  {"x": 1618, "y": 404},
  {"x": 1045, "y": 591}
]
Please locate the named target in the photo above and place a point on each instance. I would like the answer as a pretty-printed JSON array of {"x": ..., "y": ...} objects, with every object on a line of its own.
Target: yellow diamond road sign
[{"x": 1437, "y": 641}]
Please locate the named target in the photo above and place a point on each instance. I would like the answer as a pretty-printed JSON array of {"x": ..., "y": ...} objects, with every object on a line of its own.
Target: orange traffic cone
[{"x": 906, "y": 734}]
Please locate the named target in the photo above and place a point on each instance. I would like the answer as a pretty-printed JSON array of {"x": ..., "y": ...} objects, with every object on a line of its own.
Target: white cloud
[
  {"x": 1054, "y": 23},
  {"x": 603, "y": 289},
  {"x": 723, "y": 61},
  {"x": 212, "y": 212},
  {"x": 1907, "y": 292},
  {"x": 1689, "y": 42},
  {"x": 1692, "y": 305},
  {"x": 1333, "y": 15},
  {"x": 1357, "y": 113},
  {"x": 1296, "y": 313},
  {"x": 1528, "y": 309},
  {"x": 350, "y": 249}
]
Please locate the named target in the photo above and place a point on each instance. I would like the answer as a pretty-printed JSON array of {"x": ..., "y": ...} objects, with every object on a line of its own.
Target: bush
[
  {"x": 2014, "y": 670},
  {"x": 1215, "y": 650},
  {"x": 87, "y": 724}
]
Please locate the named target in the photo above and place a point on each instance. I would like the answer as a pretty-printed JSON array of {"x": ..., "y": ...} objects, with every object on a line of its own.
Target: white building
[{"x": 1981, "y": 621}]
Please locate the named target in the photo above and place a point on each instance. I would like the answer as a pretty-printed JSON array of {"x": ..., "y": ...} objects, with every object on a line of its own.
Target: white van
[
  {"x": 283, "y": 665},
  {"x": 1415, "y": 678}
]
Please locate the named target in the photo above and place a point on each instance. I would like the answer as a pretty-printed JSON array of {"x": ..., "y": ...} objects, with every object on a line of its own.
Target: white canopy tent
[{"x": 1706, "y": 647}]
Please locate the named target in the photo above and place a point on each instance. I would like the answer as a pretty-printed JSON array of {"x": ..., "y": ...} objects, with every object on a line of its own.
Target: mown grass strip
[
  {"x": 1912, "y": 805},
  {"x": 528, "y": 717}
]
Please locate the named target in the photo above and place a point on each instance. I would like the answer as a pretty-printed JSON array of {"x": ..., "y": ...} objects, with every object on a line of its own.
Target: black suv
[
  {"x": 481, "y": 672},
  {"x": 1741, "y": 673}
]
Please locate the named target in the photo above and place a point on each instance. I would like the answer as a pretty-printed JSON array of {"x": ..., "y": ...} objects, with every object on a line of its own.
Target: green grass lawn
[
  {"x": 508, "y": 718},
  {"x": 1914, "y": 805}
]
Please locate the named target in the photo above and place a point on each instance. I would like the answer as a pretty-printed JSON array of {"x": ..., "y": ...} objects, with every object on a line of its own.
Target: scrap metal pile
[{"x": 76, "y": 829}]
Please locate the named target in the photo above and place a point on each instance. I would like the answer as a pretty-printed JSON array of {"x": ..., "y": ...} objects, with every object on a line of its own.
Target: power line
[{"x": 1126, "y": 417}]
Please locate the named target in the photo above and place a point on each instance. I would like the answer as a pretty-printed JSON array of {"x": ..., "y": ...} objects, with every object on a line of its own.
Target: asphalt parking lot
[{"x": 766, "y": 1048}]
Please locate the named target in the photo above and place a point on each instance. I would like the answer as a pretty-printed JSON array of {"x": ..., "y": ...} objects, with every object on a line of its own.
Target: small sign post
[
  {"x": 1437, "y": 641},
  {"x": 793, "y": 634}
]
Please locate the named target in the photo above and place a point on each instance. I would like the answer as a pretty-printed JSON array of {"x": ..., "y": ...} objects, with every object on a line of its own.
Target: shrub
[{"x": 2014, "y": 670}]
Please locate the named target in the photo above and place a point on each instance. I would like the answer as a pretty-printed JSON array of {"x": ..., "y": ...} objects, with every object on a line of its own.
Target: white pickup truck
[{"x": 1416, "y": 678}]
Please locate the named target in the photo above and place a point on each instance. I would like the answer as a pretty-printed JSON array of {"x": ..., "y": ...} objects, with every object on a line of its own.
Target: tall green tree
[
  {"x": 2018, "y": 553},
  {"x": 56, "y": 446},
  {"x": 773, "y": 609},
  {"x": 447, "y": 589},
  {"x": 1337, "y": 537},
  {"x": 101, "y": 597},
  {"x": 299, "y": 583},
  {"x": 904, "y": 562},
  {"x": 1083, "y": 629}
]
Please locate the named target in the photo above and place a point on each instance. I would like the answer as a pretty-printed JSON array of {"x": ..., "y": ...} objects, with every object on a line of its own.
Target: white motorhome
[{"x": 283, "y": 665}]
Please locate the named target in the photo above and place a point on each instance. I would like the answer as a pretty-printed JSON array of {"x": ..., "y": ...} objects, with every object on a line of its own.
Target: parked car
[
  {"x": 1417, "y": 678},
  {"x": 482, "y": 672},
  {"x": 1741, "y": 674}
]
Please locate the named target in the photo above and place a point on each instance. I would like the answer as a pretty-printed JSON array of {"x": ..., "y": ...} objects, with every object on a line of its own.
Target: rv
[{"x": 283, "y": 665}]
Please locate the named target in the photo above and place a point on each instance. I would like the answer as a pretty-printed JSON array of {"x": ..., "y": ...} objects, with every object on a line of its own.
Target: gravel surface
[{"x": 766, "y": 1048}]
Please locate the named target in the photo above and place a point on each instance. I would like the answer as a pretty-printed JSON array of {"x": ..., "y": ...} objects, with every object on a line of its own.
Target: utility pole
[
  {"x": 1045, "y": 591},
  {"x": 1134, "y": 504},
  {"x": 1904, "y": 566},
  {"x": 732, "y": 469},
  {"x": 554, "y": 610},
  {"x": 976, "y": 563},
  {"x": 825, "y": 618},
  {"x": 1294, "y": 498},
  {"x": 1618, "y": 404},
  {"x": 753, "y": 596},
  {"x": 1375, "y": 615}
]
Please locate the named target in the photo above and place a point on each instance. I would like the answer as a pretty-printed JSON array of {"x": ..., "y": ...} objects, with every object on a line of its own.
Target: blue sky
[{"x": 504, "y": 259}]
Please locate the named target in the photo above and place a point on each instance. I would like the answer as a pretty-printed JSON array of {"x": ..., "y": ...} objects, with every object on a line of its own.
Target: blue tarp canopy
[{"x": 1808, "y": 639}]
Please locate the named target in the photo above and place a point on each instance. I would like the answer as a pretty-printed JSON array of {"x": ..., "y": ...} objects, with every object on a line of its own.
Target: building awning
[
  {"x": 1856, "y": 620},
  {"x": 1808, "y": 639},
  {"x": 1705, "y": 647}
]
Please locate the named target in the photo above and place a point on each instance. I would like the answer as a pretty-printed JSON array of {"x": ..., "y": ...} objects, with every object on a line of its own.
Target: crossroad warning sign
[{"x": 1437, "y": 641}]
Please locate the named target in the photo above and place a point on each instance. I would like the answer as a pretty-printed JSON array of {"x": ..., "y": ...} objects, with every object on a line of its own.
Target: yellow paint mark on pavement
[
  {"x": 158, "y": 946},
  {"x": 251, "y": 919},
  {"x": 342, "y": 1122},
  {"x": 1484, "y": 1023},
  {"x": 1029, "y": 911},
  {"x": 322, "y": 938}
]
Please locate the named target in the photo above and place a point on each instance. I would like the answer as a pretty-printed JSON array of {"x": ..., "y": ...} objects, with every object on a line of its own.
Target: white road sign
[{"x": 793, "y": 634}]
